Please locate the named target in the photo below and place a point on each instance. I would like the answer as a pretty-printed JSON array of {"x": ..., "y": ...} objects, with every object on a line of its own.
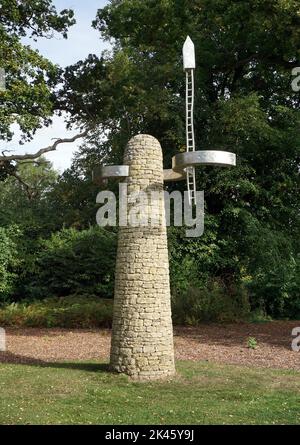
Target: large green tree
[
  {"x": 28, "y": 96},
  {"x": 28, "y": 80}
]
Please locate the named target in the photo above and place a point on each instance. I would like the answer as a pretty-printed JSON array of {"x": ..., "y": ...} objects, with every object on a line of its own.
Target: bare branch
[
  {"x": 43, "y": 150},
  {"x": 6, "y": 151}
]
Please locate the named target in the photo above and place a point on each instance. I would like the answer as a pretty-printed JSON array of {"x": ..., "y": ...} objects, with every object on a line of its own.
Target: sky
[{"x": 82, "y": 40}]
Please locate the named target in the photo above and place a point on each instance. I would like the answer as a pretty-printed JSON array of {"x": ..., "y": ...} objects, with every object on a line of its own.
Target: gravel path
[{"x": 212, "y": 342}]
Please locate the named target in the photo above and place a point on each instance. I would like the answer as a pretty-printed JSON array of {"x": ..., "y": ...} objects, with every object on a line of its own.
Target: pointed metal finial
[{"x": 189, "y": 60}]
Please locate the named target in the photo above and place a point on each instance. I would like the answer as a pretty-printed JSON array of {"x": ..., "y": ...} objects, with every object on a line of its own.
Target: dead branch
[{"x": 43, "y": 150}]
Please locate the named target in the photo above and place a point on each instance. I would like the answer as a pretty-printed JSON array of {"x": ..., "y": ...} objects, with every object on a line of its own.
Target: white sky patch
[{"x": 82, "y": 41}]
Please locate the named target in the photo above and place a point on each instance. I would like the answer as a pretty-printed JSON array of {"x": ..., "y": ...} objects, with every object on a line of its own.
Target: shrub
[
  {"x": 251, "y": 343},
  {"x": 213, "y": 302},
  {"x": 8, "y": 260},
  {"x": 64, "y": 312},
  {"x": 71, "y": 262}
]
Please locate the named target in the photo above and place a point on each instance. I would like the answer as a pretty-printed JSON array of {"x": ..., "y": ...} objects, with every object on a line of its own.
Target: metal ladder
[{"x": 190, "y": 136}]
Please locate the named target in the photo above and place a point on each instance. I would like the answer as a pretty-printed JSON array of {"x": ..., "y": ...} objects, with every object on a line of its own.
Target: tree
[
  {"x": 28, "y": 97},
  {"x": 30, "y": 79},
  {"x": 24, "y": 200}
]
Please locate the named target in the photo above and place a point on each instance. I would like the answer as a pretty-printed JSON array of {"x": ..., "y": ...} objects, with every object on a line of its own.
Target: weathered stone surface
[{"x": 142, "y": 337}]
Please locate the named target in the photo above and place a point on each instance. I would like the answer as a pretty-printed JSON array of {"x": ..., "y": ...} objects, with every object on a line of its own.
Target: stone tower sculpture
[{"x": 142, "y": 336}]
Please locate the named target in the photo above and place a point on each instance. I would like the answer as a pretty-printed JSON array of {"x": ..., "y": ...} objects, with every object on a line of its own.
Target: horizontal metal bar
[
  {"x": 205, "y": 157},
  {"x": 110, "y": 171}
]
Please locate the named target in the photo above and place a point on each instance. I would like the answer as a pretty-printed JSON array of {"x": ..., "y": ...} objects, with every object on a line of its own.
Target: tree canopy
[{"x": 30, "y": 79}]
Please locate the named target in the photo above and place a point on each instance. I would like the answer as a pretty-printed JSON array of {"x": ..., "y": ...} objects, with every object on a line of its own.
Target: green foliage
[
  {"x": 210, "y": 302},
  {"x": 28, "y": 99},
  {"x": 28, "y": 206},
  {"x": 8, "y": 260},
  {"x": 259, "y": 316},
  {"x": 70, "y": 262},
  {"x": 75, "y": 311},
  {"x": 249, "y": 252},
  {"x": 72, "y": 200},
  {"x": 252, "y": 343},
  {"x": 6, "y": 169},
  {"x": 244, "y": 103},
  {"x": 38, "y": 17}
]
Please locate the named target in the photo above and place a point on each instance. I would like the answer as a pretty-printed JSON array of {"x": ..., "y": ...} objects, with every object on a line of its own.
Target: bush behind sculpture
[{"x": 71, "y": 262}]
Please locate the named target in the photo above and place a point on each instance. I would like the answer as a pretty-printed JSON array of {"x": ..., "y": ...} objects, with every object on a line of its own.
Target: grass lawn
[{"x": 202, "y": 393}]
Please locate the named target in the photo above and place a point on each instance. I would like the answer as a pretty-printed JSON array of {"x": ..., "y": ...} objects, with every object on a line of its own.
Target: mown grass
[{"x": 201, "y": 393}]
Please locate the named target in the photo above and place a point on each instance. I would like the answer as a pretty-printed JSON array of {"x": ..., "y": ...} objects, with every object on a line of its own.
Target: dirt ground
[{"x": 212, "y": 342}]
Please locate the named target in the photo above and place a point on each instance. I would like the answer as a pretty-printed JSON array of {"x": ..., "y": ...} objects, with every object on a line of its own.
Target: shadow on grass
[
  {"x": 17, "y": 359},
  {"x": 90, "y": 367}
]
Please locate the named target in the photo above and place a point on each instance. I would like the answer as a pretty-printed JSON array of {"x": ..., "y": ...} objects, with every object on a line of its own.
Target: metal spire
[{"x": 188, "y": 50}]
